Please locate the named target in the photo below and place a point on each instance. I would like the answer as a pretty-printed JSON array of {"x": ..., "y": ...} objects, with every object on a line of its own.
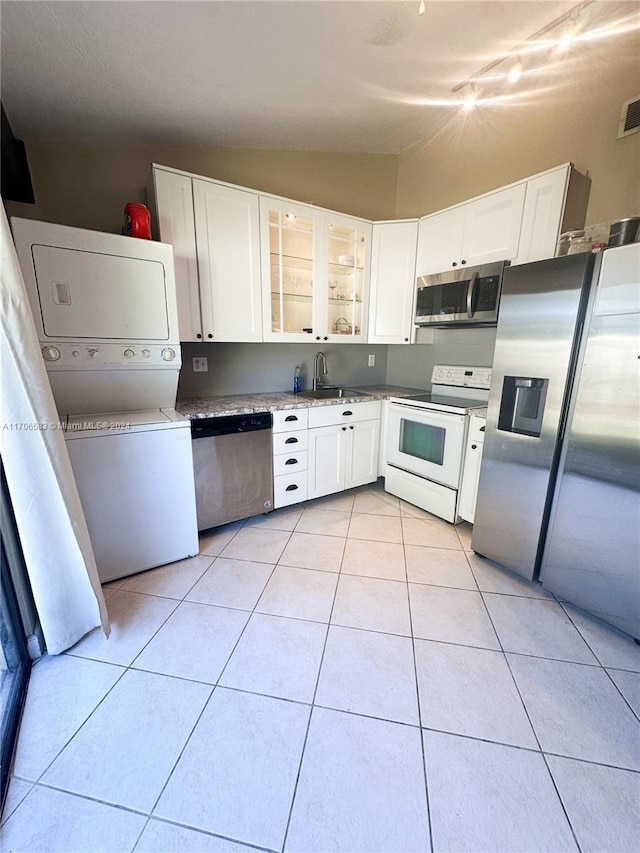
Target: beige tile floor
[{"x": 342, "y": 676}]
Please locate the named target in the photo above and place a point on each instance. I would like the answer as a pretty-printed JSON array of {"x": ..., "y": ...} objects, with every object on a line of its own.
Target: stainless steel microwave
[{"x": 461, "y": 297}]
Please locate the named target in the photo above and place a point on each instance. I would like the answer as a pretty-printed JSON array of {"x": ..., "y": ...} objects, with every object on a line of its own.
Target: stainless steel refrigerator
[{"x": 559, "y": 492}]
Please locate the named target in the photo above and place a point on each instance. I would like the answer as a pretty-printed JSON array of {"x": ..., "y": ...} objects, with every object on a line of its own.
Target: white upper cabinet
[
  {"x": 555, "y": 201},
  {"x": 172, "y": 200},
  {"x": 492, "y": 227},
  {"x": 440, "y": 241},
  {"x": 291, "y": 269},
  {"x": 346, "y": 279},
  {"x": 480, "y": 231},
  {"x": 315, "y": 269},
  {"x": 215, "y": 233},
  {"x": 393, "y": 275},
  {"x": 228, "y": 241}
]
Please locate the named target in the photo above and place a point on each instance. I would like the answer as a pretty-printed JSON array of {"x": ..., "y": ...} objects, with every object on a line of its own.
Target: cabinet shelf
[
  {"x": 302, "y": 297},
  {"x": 291, "y": 261}
]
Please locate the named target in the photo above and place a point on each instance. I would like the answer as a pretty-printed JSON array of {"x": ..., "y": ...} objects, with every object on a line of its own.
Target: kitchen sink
[{"x": 331, "y": 393}]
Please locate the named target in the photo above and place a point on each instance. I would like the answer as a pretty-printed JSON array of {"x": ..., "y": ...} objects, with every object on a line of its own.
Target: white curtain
[{"x": 51, "y": 524}]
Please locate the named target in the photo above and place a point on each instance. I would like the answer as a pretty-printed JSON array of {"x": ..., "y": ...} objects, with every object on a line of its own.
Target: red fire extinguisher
[{"x": 137, "y": 221}]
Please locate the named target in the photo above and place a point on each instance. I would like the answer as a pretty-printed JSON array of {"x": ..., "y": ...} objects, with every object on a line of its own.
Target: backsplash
[
  {"x": 246, "y": 368},
  {"x": 237, "y": 368}
]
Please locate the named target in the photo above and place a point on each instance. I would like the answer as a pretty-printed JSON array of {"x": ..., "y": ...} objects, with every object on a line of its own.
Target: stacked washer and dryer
[{"x": 105, "y": 311}]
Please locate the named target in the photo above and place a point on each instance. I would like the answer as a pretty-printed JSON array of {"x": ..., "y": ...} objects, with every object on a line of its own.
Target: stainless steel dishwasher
[{"x": 232, "y": 462}]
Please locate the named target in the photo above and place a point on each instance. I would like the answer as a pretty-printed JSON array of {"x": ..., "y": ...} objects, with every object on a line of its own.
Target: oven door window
[
  {"x": 426, "y": 443},
  {"x": 422, "y": 441}
]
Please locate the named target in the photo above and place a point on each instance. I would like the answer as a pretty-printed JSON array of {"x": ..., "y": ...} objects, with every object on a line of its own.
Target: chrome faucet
[{"x": 320, "y": 370}]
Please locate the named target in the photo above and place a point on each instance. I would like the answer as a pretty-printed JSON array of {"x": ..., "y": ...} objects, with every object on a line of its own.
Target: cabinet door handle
[
  {"x": 344, "y": 429},
  {"x": 292, "y": 440},
  {"x": 351, "y": 427},
  {"x": 209, "y": 335},
  {"x": 291, "y": 418},
  {"x": 291, "y": 462},
  {"x": 454, "y": 264},
  {"x": 474, "y": 446},
  {"x": 482, "y": 429},
  {"x": 199, "y": 335},
  {"x": 348, "y": 412},
  {"x": 291, "y": 488}
]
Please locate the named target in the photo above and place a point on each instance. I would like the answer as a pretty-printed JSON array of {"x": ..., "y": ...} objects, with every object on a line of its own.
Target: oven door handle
[{"x": 470, "y": 292}]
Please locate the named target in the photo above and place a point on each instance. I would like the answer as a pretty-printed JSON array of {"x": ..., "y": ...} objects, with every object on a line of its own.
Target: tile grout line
[
  {"x": 533, "y": 729},
  {"x": 315, "y": 691},
  {"x": 415, "y": 672}
]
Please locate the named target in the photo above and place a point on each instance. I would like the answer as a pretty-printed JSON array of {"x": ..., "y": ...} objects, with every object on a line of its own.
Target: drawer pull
[
  {"x": 291, "y": 488},
  {"x": 474, "y": 446},
  {"x": 348, "y": 412},
  {"x": 291, "y": 418},
  {"x": 292, "y": 440},
  {"x": 481, "y": 429},
  {"x": 344, "y": 429},
  {"x": 291, "y": 462},
  {"x": 352, "y": 427}
]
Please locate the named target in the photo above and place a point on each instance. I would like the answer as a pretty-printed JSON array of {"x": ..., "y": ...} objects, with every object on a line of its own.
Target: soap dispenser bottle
[{"x": 297, "y": 380}]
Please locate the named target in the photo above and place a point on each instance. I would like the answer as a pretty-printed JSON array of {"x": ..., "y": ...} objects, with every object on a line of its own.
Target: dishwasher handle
[{"x": 229, "y": 424}]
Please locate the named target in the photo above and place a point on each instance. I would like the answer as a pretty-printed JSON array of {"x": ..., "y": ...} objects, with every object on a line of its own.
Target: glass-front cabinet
[
  {"x": 314, "y": 273},
  {"x": 349, "y": 246},
  {"x": 290, "y": 269}
]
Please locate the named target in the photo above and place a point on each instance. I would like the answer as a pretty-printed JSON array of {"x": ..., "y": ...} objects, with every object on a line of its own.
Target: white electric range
[{"x": 426, "y": 437}]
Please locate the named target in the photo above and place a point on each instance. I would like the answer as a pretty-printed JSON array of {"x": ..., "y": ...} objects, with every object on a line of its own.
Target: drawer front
[
  {"x": 289, "y": 489},
  {"x": 476, "y": 429},
  {"x": 290, "y": 442},
  {"x": 344, "y": 413},
  {"x": 290, "y": 419},
  {"x": 289, "y": 463}
]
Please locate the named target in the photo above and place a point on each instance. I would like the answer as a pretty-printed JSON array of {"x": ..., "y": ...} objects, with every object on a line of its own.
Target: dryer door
[{"x": 85, "y": 294}]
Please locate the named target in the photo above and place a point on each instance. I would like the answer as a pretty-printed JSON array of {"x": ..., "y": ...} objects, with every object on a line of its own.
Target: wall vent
[{"x": 630, "y": 118}]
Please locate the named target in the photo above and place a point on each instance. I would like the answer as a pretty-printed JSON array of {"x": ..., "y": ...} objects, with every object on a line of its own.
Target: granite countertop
[{"x": 247, "y": 404}]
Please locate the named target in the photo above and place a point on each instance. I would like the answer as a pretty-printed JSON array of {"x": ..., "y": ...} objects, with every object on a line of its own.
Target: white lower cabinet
[
  {"x": 471, "y": 470},
  {"x": 343, "y": 447},
  {"x": 290, "y": 442}
]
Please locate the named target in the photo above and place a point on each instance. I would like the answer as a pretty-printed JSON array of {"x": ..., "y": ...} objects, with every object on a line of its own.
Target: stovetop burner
[{"x": 455, "y": 389}]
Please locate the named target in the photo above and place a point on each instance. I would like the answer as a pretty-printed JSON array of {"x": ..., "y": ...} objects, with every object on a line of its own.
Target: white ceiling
[{"x": 323, "y": 75}]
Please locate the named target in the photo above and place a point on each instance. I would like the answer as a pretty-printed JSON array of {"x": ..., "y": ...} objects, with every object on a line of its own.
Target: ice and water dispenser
[{"x": 522, "y": 405}]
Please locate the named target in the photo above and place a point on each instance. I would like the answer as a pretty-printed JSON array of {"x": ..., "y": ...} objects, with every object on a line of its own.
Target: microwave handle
[{"x": 470, "y": 291}]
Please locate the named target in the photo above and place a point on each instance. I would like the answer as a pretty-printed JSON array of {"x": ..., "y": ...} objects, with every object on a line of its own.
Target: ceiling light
[
  {"x": 564, "y": 42},
  {"x": 421, "y": 7},
  {"x": 470, "y": 99},
  {"x": 515, "y": 73}
]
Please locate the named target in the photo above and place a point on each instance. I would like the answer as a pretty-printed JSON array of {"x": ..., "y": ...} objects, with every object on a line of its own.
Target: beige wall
[
  {"x": 495, "y": 145},
  {"x": 89, "y": 187}
]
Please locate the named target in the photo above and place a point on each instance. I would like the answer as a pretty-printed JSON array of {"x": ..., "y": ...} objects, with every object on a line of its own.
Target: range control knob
[
  {"x": 50, "y": 353},
  {"x": 168, "y": 354},
  {"x": 128, "y": 353},
  {"x": 146, "y": 353},
  {"x": 93, "y": 353}
]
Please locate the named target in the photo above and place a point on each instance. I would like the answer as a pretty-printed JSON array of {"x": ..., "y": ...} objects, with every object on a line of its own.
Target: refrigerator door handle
[{"x": 470, "y": 292}]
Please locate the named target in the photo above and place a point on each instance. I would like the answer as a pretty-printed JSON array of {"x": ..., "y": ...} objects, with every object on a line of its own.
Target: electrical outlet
[
  {"x": 200, "y": 365},
  {"x": 372, "y": 361}
]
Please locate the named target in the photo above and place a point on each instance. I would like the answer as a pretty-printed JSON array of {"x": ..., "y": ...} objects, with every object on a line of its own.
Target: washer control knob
[
  {"x": 128, "y": 353},
  {"x": 93, "y": 353},
  {"x": 146, "y": 353},
  {"x": 75, "y": 353},
  {"x": 50, "y": 353},
  {"x": 168, "y": 354}
]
